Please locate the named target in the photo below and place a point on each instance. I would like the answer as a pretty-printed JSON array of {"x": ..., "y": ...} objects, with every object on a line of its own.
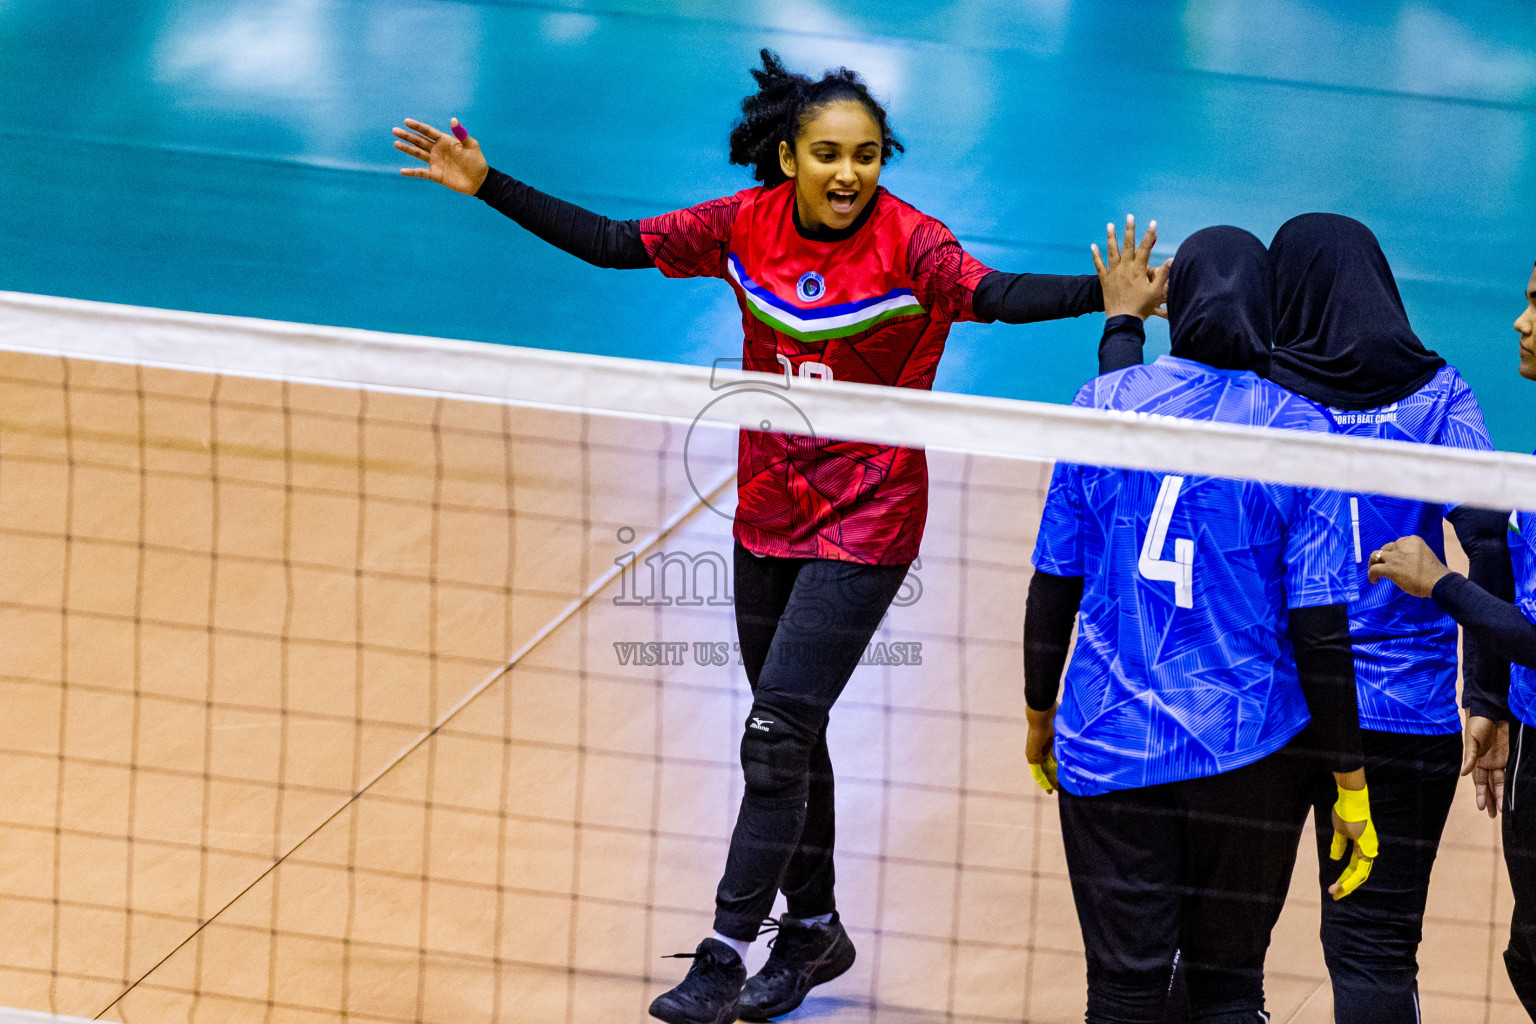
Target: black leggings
[
  {"x": 804, "y": 624},
  {"x": 1520, "y": 860},
  {"x": 1200, "y": 867},
  {"x": 1371, "y": 937}
]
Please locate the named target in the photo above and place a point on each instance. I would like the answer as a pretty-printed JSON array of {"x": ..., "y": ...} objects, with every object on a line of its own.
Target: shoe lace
[
  {"x": 769, "y": 925},
  {"x": 790, "y": 950},
  {"x": 708, "y": 969}
]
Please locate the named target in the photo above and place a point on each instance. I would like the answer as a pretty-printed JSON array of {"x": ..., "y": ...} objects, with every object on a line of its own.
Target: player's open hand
[
  {"x": 451, "y": 160},
  {"x": 1484, "y": 754},
  {"x": 1039, "y": 747},
  {"x": 1354, "y": 831},
  {"x": 1131, "y": 286},
  {"x": 1409, "y": 563}
]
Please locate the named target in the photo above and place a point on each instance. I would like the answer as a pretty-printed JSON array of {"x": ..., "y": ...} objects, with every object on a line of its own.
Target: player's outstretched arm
[
  {"x": 456, "y": 162},
  {"x": 452, "y": 160},
  {"x": 1032, "y": 298},
  {"x": 1035, "y": 298},
  {"x": 1411, "y": 565}
]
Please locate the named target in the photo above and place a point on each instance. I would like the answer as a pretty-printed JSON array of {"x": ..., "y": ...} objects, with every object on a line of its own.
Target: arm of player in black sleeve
[
  {"x": 1484, "y": 536},
  {"x": 1049, "y": 611},
  {"x": 1122, "y": 343},
  {"x": 614, "y": 244},
  {"x": 1508, "y": 632},
  {"x": 1032, "y": 298},
  {"x": 1325, "y": 661}
]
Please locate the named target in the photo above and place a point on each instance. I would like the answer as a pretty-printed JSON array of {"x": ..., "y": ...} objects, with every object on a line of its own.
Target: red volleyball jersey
[{"x": 874, "y": 307}]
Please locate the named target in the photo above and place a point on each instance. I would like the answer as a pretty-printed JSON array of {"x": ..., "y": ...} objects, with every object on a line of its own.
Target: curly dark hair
[{"x": 775, "y": 112}]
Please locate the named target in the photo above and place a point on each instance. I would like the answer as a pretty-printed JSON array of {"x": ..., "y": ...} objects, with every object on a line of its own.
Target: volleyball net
[{"x": 393, "y": 679}]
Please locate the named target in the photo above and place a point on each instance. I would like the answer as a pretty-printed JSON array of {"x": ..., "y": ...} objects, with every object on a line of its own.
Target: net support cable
[
  {"x": 715, "y": 494},
  {"x": 566, "y": 381}
]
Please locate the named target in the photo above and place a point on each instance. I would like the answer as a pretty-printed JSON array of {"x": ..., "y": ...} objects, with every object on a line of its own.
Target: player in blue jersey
[
  {"x": 1211, "y": 621},
  {"x": 1503, "y": 618},
  {"x": 1342, "y": 339}
]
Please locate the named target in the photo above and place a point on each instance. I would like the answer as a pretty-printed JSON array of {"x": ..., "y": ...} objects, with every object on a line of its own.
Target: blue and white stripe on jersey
[
  {"x": 1405, "y": 646},
  {"x": 1183, "y": 666},
  {"x": 820, "y": 323}
]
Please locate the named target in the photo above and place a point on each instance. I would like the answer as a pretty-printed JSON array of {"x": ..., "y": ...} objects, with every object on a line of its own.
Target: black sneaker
[
  {"x": 709, "y": 993},
  {"x": 800, "y": 958}
]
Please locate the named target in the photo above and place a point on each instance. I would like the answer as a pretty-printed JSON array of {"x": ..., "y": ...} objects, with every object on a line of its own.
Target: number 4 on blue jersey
[{"x": 1181, "y": 571}]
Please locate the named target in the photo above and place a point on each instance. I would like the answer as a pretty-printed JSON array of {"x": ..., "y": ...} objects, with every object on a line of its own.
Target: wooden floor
[{"x": 228, "y": 605}]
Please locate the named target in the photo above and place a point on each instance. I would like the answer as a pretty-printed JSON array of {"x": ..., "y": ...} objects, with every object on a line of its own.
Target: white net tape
[{"x": 1000, "y": 427}]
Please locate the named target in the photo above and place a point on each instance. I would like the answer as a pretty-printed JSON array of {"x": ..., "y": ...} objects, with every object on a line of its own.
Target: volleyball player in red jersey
[{"x": 844, "y": 280}]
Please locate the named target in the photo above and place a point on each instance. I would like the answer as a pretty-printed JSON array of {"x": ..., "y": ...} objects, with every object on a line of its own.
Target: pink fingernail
[{"x": 459, "y": 132}]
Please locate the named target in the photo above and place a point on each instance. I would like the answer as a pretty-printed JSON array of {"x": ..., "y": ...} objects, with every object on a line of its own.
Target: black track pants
[
  {"x": 1371, "y": 937},
  {"x": 1520, "y": 859},
  {"x": 1201, "y": 867},
  {"x": 804, "y": 624}
]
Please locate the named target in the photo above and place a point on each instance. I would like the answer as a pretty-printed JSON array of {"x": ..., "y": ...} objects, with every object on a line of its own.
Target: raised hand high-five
[
  {"x": 452, "y": 160},
  {"x": 1131, "y": 285}
]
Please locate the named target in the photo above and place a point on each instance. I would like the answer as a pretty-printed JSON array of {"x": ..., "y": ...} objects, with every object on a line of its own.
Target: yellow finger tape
[
  {"x": 1353, "y": 804},
  {"x": 1045, "y": 774}
]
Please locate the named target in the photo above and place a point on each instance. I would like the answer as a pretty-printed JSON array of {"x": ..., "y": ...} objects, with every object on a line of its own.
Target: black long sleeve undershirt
[
  {"x": 1121, "y": 343},
  {"x": 1484, "y": 536},
  {"x": 601, "y": 241},
  {"x": 617, "y": 245},
  {"x": 1049, "y": 611},
  {"x": 1032, "y": 298},
  {"x": 1508, "y": 631},
  {"x": 1505, "y": 631},
  {"x": 1325, "y": 661}
]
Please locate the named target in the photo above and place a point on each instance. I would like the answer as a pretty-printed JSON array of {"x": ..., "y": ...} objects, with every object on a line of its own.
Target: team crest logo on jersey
[{"x": 811, "y": 286}]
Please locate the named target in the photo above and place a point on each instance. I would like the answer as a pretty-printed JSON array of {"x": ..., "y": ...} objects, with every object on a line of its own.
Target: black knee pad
[{"x": 775, "y": 757}]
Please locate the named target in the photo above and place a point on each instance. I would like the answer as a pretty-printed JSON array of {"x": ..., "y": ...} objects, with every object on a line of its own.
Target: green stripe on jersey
[{"x": 914, "y": 309}]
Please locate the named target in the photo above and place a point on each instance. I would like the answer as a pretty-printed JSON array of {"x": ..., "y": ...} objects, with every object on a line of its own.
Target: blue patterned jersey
[
  {"x": 1522, "y": 553},
  {"x": 1183, "y": 666},
  {"x": 1405, "y": 646}
]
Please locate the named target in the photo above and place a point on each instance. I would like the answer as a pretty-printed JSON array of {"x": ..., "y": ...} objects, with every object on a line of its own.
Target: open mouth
[{"x": 842, "y": 201}]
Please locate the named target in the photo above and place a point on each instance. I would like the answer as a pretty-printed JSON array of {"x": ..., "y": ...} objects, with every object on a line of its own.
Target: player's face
[
  {"x": 1525, "y": 323},
  {"x": 835, "y": 164}
]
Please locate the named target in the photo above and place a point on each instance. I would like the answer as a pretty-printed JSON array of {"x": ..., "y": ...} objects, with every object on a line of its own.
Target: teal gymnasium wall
[{"x": 235, "y": 157}]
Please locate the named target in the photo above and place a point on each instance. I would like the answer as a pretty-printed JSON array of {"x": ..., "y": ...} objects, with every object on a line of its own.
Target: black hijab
[
  {"x": 1341, "y": 333},
  {"x": 1220, "y": 292}
]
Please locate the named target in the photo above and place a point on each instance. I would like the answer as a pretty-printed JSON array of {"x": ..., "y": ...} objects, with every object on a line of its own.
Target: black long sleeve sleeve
[
  {"x": 1049, "y": 612},
  {"x": 1325, "y": 661},
  {"x": 1484, "y": 536},
  {"x": 1031, "y": 298},
  {"x": 1122, "y": 342},
  {"x": 599, "y": 240},
  {"x": 1507, "y": 632}
]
